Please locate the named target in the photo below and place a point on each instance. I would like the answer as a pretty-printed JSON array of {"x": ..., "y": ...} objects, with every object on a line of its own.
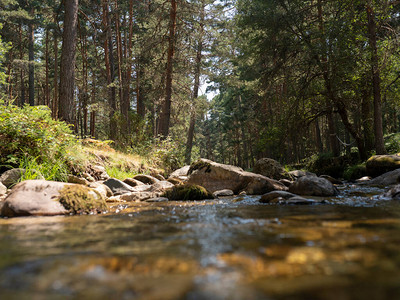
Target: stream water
[{"x": 232, "y": 248}]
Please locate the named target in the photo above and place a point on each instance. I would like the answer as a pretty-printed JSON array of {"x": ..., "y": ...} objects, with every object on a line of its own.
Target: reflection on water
[{"x": 222, "y": 249}]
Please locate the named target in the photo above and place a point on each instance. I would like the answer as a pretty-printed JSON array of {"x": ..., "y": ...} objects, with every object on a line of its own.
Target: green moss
[
  {"x": 79, "y": 199},
  {"x": 188, "y": 192},
  {"x": 198, "y": 165}
]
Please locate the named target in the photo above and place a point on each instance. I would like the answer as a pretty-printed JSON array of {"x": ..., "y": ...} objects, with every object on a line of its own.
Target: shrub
[{"x": 31, "y": 139}]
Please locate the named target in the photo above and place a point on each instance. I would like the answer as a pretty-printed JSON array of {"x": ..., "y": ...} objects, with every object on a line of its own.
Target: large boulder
[
  {"x": 313, "y": 186},
  {"x": 48, "y": 198},
  {"x": 389, "y": 178},
  {"x": 381, "y": 164},
  {"x": 269, "y": 167},
  {"x": 214, "y": 177}
]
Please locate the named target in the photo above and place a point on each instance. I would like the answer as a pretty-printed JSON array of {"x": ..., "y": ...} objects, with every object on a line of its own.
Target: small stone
[
  {"x": 118, "y": 187},
  {"x": 147, "y": 179},
  {"x": 133, "y": 182},
  {"x": 77, "y": 180},
  {"x": 272, "y": 196},
  {"x": 157, "y": 199},
  {"x": 11, "y": 177},
  {"x": 223, "y": 193}
]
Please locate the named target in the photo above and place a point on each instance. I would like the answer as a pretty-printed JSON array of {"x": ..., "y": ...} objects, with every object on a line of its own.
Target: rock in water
[
  {"x": 313, "y": 186},
  {"x": 269, "y": 167},
  {"x": 187, "y": 192},
  {"x": 393, "y": 193},
  {"x": 381, "y": 164},
  {"x": 214, "y": 177},
  {"x": 49, "y": 198},
  {"x": 389, "y": 178}
]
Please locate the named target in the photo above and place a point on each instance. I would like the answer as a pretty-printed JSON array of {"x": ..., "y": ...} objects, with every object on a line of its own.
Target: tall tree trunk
[
  {"x": 195, "y": 94},
  {"x": 109, "y": 61},
  {"x": 367, "y": 121},
  {"x": 22, "y": 73},
  {"x": 166, "y": 108},
  {"x": 55, "y": 50},
  {"x": 320, "y": 146},
  {"x": 31, "y": 63},
  {"x": 47, "y": 84},
  {"x": 67, "y": 69},
  {"x": 376, "y": 81}
]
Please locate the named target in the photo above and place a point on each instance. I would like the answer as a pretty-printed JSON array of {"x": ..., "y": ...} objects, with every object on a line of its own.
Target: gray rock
[
  {"x": 214, "y": 177},
  {"x": 77, "y": 180},
  {"x": 276, "y": 196},
  {"x": 331, "y": 179},
  {"x": 157, "y": 199},
  {"x": 393, "y": 193},
  {"x": 381, "y": 164},
  {"x": 269, "y": 167},
  {"x": 286, "y": 198},
  {"x": 363, "y": 179},
  {"x": 134, "y": 196},
  {"x": 3, "y": 189},
  {"x": 40, "y": 197},
  {"x": 180, "y": 172},
  {"x": 133, "y": 182},
  {"x": 88, "y": 177},
  {"x": 161, "y": 186},
  {"x": 300, "y": 173},
  {"x": 11, "y": 177},
  {"x": 389, "y": 178},
  {"x": 223, "y": 193},
  {"x": 313, "y": 186},
  {"x": 99, "y": 173},
  {"x": 286, "y": 182},
  {"x": 118, "y": 187},
  {"x": 104, "y": 190},
  {"x": 147, "y": 179}
]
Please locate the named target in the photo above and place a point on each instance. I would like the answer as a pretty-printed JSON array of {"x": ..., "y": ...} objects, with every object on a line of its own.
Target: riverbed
[{"x": 233, "y": 248}]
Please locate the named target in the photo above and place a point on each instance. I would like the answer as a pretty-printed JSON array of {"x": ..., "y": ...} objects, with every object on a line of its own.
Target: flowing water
[{"x": 232, "y": 248}]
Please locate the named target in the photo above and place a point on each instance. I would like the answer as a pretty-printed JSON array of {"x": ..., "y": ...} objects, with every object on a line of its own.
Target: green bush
[
  {"x": 392, "y": 143},
  {"x": 355, "y": 172},
  {"x": 31, "y": 139}
]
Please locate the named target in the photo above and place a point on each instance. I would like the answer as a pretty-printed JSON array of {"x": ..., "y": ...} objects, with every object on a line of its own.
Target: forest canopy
[{"x": 291, "y": 78}]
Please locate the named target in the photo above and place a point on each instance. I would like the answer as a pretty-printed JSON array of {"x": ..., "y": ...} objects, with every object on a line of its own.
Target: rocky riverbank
[{"x": 94, "y": 191}]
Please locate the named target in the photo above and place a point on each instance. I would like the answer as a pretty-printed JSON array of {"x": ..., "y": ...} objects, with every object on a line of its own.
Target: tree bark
[
  {"x": 109, "y": 61},
  {"x": 31, "y": 63},
  {"x": 196, "y": 87},
  {"x": 166, "y": 108},
  {"x": 376, "y": 81},
  {"x": 67, "y": 69}
]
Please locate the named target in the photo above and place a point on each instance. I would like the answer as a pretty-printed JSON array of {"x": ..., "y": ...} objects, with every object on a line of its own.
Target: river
[{"x": 233, "y": 248}]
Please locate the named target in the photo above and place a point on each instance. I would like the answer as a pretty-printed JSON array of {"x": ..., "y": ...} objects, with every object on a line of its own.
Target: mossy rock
[
  {"x": 188, "y": 192},
  {"x": 199, "y": 165},
  {"x": 380, "y": 164},
  {"x": 77, "y": 199}
]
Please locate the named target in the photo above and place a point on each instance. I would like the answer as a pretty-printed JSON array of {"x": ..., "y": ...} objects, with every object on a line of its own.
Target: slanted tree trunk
[
  {"x": 376, "y": 82},
  {"x": 166, "y": 107},
  {"x": 67, "y": 69}
]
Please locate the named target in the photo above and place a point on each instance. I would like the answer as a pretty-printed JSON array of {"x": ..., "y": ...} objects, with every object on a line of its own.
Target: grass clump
[
  {"x": 79, "y": 199},
  {"x": 188, "y": 192}
]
